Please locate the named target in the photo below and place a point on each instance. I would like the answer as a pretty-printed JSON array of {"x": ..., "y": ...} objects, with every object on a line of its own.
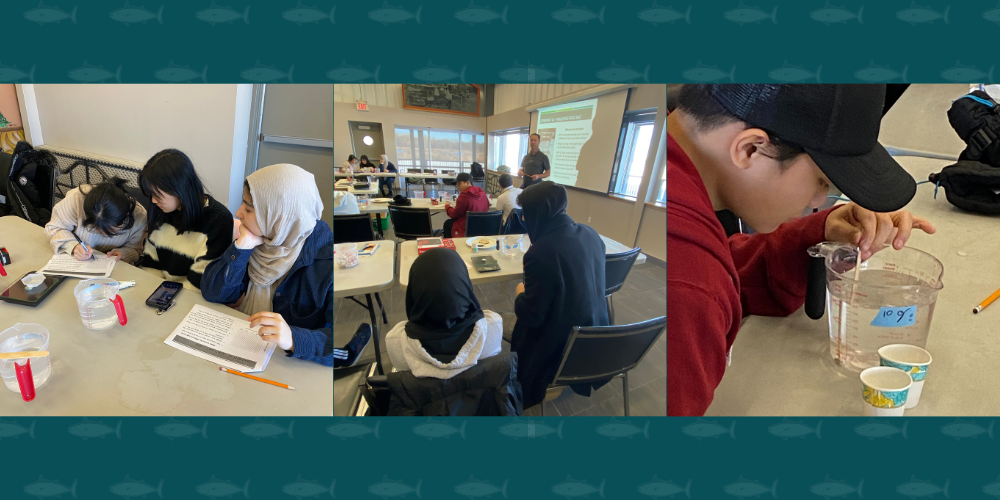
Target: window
[
  {"x": 439, "y": 149},
  {"x": 662, "y": 197},
  {"x": 508, "y": 147},
  {"x": 633, "y": 146}
]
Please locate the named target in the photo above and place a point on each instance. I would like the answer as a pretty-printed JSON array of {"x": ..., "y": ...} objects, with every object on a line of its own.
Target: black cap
[
  {"x": 838, "y": 127},
  {"x": 463, "y": 177}
]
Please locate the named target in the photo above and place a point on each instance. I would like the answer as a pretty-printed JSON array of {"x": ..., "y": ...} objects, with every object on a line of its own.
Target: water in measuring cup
[
  {"x": 854, "y": 342},
  {"x": 99, "y": 314},
  {"x": 41, "y": 368}
]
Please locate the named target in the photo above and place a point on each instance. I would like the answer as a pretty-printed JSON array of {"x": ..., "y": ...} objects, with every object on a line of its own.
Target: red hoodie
[
  {"x": 714, "y": 281},
  {"x": 471, "y": 200}
]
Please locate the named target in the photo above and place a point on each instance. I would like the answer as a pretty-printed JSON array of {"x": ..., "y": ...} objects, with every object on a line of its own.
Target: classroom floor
[{"x": 643, "y": 297}]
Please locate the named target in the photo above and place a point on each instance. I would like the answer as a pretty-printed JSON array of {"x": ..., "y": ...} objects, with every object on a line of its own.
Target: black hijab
[
  {"x": 544, "y": 208},
  {"x": 441, "y": 307}
]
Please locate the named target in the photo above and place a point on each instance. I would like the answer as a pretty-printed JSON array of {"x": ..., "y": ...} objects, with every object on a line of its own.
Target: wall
[
  {"x": 507, "y": 97},
  {"x": 304, "y": 111},
  {"x": 133, "y": 122},
  {"x": 389, "y": 118},
  {"x": 652, "y": 235}
]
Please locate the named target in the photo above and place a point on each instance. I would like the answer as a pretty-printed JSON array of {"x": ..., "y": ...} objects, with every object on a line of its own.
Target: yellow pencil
[
  {"x": 266, "y": 381},
  {"x": 986, "y": 302}
]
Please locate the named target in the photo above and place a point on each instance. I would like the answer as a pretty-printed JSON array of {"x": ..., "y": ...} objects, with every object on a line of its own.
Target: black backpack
[
  {"x": 29, "y": 183},
  {"x": 972, "y": 182},
  {"x": 477, "y": 171}
]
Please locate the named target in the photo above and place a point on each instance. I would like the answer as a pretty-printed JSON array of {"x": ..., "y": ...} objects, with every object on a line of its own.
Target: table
[
  {"x": 407, "y": 176},
  {"x": 511, "y": 268},
  {"x": 373, "y": 274},
  {"x": 928, "y": 106},
  {"x": 128, "y": 370},
  {"x": 782, "y": 366},
  {"x": 365, "y": 174}
]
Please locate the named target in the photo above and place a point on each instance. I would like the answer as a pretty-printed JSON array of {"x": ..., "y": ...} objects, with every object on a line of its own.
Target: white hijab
[{"x": 287, "y": 205}]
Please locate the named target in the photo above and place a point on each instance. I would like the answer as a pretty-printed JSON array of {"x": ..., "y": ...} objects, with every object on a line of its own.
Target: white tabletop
[
  {"x": 128, "y": 370},
  {"x": 427, "y": 176},
  {"x": 382, "y": 208},
  {"x": 782, "y": 366},
  {"x": 365, "y": 174},
  {"x": 511, "y": 268},
  {"x": 372, "y": 274},
  {"x": 918, "y": 121}
]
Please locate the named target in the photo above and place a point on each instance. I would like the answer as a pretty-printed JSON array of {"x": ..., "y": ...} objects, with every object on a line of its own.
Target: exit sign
[{"x": 362, "y": 105}]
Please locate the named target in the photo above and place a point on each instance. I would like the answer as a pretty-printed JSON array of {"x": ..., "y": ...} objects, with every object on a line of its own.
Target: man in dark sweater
[
  {"x": 767, "y": 153},
  {"x": 535, "y": 165},
  {"x": 563, "y": 287}
]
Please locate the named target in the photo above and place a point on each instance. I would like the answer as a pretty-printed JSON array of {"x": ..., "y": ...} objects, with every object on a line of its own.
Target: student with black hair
[
  {"x": 350, "y": 166},
  {"x": 767, "y": 153},
  {"x": 187, "y": 227},
  {"x": 507, "y": 201},
  {"x": 104, "y": 217}
]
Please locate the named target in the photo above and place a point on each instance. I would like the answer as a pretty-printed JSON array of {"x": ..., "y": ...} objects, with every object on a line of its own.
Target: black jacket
[
  {"x": 490, "y": 388},
  {"x": 563, "y": 288}
]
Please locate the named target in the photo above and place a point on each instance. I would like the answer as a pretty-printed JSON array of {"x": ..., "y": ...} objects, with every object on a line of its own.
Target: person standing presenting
[{"x": 535, "y": 165}]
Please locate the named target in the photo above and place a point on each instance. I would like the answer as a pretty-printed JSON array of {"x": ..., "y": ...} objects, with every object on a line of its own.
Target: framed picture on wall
[
  {"x": 456, "y": 99},
  {"x": 11, "y": 128}
]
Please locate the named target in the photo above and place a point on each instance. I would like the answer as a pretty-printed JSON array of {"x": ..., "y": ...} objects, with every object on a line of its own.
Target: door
[{"x": 366, "y": 138}]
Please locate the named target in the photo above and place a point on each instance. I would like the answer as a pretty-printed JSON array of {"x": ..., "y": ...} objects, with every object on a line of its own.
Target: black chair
[
  {"x": 140, "y": 198},
  {"x": 596, "y": 353},
  {"x": 400, "y": 393},
  {"x": 352, "y": 228},
  {"x": 616, "y": 269},
  {"x": 514, "y": 224},
  {"x": 483, "y": 223},
  {"x": 411, "y": 180},
  {"x": 432, "y": 182},
  {"x": 410, "y": 223}
]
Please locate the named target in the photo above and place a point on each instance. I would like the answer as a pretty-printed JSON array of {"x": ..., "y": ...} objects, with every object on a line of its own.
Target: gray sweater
[{"x": 67, "y": 219}]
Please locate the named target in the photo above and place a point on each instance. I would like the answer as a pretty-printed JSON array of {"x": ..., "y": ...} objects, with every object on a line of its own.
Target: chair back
[
  {"x": 353, "y": 228},
  {"x": 616, "y": 269},
  {"x": 483, "y": 223},
  {"x": 410, "y": 223},
  {"x": 514, "y": 224},
  {"x": 595, "y": 353}
]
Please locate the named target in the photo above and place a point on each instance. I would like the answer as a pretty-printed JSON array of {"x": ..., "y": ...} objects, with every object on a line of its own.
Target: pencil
[
  {"x": 986, "y": 302},
  {"x": 24, "y": 354},
  {"x": 266, "y": 381}
]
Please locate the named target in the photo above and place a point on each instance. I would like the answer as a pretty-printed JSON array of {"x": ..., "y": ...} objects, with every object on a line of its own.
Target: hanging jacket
[{"x": 489, "y": 388}]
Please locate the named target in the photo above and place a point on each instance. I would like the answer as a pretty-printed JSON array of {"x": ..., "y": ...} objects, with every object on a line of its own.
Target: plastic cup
[
  {"x": 885, "y": 390},
  {"x": 347, "y": 255},
  {"x": 509, "y": 245},
  {"x": 912, "y": 360}
]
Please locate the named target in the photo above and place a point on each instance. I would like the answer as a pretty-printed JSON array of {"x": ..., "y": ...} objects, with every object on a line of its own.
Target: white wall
[
  {"x": 511, "y": 96},
  {"x": 133, "y": 122}
]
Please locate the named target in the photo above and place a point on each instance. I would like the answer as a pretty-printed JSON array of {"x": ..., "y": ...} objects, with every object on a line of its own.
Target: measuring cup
[
  {"x": 25, "y": 376},
  {"x": 888, "y": 299},
  {"x": 100, "y": 303}
]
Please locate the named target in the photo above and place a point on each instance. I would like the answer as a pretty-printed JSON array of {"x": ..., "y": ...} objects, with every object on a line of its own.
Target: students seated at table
[
  {"x": 187, "y": 228},
  {"x": 350, "y": 166},
  {"x": 446, "y": 331},
  {"x": 345, "y": 203},
  {"x": 385, "y": 184},
  {"x": 563, "y": 287},
  {"x": 470, "y": 199},
  {"x": 507, "y": 201},
  {"x": 104, "y": 217},
  {"x": 280, "y": 269}
]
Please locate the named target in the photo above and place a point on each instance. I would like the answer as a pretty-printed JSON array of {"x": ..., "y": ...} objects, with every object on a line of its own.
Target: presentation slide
[{"x": 563, "y": 130}]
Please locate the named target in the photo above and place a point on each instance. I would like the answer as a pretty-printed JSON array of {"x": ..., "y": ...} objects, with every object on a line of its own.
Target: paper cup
[
  {"x": 884, "y": 391},
  {"x": 912, "y": 360}
]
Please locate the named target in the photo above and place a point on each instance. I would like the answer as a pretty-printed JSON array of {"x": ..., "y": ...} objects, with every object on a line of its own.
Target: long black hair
[
  {"x": 171, "y": 172},
  {"x": 108, "y": 208}
]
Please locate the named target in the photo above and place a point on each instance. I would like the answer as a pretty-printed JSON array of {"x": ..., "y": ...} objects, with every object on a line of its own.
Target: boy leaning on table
[{"x": 765, "y": 153}]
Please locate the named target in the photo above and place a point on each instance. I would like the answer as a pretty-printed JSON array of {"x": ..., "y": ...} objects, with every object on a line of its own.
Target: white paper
[
  {"x": 222, "y": 339},
  {"x": 99, "y": 266}
]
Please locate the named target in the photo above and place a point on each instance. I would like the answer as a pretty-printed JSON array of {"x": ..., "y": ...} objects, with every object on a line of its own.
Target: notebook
[{"x": 99, "y": 266}]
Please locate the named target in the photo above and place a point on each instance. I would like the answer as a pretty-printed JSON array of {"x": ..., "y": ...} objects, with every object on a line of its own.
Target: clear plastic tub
[
  {"x": 346, "y": 255},
  {"x": 889, "y": 299}
]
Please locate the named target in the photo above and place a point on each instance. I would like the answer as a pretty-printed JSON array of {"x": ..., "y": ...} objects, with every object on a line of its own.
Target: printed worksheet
[
  {"x": 99, "y": 266},
  {"x": 221, "y": 339}
]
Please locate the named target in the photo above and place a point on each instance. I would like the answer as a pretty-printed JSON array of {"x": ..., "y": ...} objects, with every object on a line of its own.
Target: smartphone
[
  {"x": 17, "y": 293},
  {"x": 164, "y": 295}
]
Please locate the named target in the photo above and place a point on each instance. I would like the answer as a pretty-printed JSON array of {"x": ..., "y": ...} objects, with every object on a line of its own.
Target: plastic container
[
  {"x": 889, "y": 299},
  {"x": 346, "y": 255},
  {"x": 25, "y": 337},
  {"x": 99, "y": 303},
  {"x": 509, "y": 245}
]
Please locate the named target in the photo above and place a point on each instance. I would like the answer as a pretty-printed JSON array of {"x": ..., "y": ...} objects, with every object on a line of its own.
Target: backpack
[
  {"x": 477, "y": 171},
  {"x": 30, "y": 183},
  {"x": 972, "y": 182}
]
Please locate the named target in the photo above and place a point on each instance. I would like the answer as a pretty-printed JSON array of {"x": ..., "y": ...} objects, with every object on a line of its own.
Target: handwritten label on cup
[{"x": 890, "y": 317}]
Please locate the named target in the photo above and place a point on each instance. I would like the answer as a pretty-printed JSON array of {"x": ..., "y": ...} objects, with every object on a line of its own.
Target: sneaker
[{"x": 354, "y": 349}]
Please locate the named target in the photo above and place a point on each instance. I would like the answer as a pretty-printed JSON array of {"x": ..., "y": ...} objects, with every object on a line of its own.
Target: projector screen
[{"x": 580, "y": 138}]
